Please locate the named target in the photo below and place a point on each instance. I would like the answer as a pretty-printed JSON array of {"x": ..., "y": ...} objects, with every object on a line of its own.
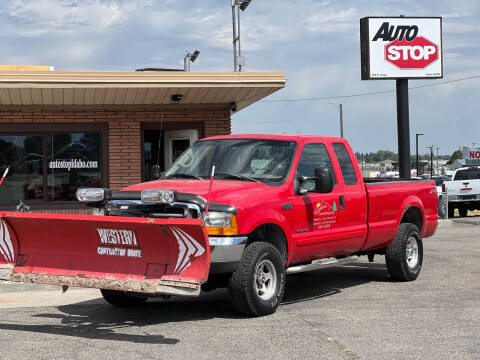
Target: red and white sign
[
  {"x": 471, "y": 153},
  {"x": 401, "y": 47}
]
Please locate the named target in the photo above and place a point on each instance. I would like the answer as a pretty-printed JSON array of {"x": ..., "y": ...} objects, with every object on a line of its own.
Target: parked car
[
  {"x": 463, "y": 191},
  {"x": 439, "y": 180}
]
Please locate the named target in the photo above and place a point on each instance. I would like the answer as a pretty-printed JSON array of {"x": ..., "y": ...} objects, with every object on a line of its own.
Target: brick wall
[{"x": 124, "y": 130}]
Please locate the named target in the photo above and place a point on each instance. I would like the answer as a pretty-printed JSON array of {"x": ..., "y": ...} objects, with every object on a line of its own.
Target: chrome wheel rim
[
  {"x": 412, "y": 252},
  {"x": 265, "y": 280}
]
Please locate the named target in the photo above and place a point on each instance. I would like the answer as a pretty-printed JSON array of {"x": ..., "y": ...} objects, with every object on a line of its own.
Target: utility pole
[
  {"x": 431, "y": 159},
  {"x": 416, "y": 137},
  {"x": 238, "y": 59},
  {"x": 341, "y": 120},
  {"x": 437, "y": 159},
  {"x": 340, "y": 108}
]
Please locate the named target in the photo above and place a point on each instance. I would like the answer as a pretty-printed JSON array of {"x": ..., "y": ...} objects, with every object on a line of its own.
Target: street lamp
[
  {"x": 416, "y": 136},
  {"x": 238, "y": 59},
  {"x": 189, "y": 58},
  {"x": 340, "y": 108}
]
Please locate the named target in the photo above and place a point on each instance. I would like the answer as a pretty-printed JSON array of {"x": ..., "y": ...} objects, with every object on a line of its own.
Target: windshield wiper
[
  {"x": 185, "y": 176},
  {"x": 238, "y": 177}
]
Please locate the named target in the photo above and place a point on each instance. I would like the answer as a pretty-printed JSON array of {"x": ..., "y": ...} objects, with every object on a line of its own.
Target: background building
[{"x": 64, "y": 130}]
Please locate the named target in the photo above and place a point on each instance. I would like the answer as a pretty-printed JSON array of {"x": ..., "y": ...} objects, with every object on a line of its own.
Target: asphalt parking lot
[{"x": 347, "y": 312}]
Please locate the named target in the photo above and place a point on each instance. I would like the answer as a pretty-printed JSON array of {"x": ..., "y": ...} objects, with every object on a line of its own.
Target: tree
[{"x": 457, "y": 154}]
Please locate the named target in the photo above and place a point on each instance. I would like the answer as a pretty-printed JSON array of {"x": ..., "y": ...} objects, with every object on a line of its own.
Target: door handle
[{"x": 342, "y": 202}]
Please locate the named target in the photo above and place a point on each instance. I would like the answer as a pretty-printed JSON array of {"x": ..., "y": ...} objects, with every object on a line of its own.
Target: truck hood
[{"x": 236, "y": 193}]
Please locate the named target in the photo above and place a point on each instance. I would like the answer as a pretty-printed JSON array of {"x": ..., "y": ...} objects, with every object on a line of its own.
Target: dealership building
[{"x": 63, "y": 130}]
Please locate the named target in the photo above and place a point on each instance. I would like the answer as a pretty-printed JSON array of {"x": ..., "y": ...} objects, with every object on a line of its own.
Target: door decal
[{"x": 325, "y": 214}]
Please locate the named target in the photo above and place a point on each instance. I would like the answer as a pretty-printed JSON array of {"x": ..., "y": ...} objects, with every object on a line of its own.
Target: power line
[{"x": 370, "y": 93}]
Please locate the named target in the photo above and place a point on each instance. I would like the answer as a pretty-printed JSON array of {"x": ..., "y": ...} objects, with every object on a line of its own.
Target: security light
[
  {"x": 176, "y": 98},
  {"x": 194, "y": 55},
  {"x": 244, "y": 4},
  {"x": 189, "y": 58}
]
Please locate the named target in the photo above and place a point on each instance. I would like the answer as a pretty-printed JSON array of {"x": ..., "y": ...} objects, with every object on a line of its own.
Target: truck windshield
[
  {"x": 467, "y": 174},
  {"x": 262, "y": 160}
]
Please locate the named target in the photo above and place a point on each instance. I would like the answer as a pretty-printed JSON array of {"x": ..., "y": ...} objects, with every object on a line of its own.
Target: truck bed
[{"x": 386, "y": 198}]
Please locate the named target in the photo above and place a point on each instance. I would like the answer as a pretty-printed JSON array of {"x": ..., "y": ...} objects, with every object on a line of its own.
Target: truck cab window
[
  {"x": 314, "y": 156},
  {"x": 467, "y": 174},
  {"x": 346, "y": 165}
]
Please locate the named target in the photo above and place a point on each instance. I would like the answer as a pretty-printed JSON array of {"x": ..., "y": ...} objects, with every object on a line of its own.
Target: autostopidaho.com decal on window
[{"x": 73, "y": 164}]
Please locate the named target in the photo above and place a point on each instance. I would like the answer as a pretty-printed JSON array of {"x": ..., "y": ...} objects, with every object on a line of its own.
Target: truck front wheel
[
  {"x": 256, "y": 287},
  {"x": 404, "y": 256},
  {"x": 122, "y": 298}
]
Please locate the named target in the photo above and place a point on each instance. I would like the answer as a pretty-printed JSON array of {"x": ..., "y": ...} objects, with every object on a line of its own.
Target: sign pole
[{"x": 403, "y": 126}]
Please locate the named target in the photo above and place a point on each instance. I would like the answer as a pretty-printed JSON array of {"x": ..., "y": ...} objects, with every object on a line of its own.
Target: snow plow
[{"x": 131, "y": 254}]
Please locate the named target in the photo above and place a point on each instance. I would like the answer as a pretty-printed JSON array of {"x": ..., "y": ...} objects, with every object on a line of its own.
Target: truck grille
[{"x": 137, "y": 208}]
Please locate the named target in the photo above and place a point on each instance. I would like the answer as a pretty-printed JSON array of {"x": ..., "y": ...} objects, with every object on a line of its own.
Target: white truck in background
[{"x": 463, "y": 191}]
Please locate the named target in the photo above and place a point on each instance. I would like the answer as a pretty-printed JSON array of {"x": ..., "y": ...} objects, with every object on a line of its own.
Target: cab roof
[{"x": 287, "y": 137}]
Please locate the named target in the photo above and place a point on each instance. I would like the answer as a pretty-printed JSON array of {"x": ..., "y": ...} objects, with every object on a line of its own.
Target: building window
[
  {"x": 74, "y": 160},
  {"x": 47, "y": 167},
  {"x": 23, "y": 154}
]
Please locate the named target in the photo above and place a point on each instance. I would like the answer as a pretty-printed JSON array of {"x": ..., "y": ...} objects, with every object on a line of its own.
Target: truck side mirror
[{"x": 323, "y": 180}]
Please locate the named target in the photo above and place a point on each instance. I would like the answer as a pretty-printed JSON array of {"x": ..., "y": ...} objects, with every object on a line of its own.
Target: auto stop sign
[
  {"x": 415, "y": 54},
  {"x": 401, "y": 47}
]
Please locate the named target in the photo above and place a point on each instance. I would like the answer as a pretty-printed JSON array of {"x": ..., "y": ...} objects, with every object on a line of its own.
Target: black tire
[
  {"x": 451, "y": 211},
  {"x": 463, "y": 211},
  {"x": 243, "y": 289},
  {"x": 400, "y": 266},
  {"x": 122, "y": 298}
]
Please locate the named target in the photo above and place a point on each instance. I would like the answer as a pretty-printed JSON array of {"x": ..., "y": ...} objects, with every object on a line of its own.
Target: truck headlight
[
  {"x": 90, "y": 194},
  {"x": 158, "y": 196},
  {"x": 221, "y": 223}
]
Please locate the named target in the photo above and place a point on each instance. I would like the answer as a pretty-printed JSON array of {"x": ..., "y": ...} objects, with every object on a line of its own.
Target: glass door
[
  {"x": 176, "y": 142},
  {"x": 153, "y": 153}
]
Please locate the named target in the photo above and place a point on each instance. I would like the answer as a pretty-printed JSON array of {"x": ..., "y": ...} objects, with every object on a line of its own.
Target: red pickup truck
[{"x": 276, "y": 204}]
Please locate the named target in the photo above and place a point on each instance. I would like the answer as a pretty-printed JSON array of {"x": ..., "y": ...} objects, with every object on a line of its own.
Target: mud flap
[{"x": 151, "y": 256}]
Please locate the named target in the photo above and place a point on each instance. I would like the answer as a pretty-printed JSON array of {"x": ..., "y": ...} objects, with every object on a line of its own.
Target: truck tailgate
[
  {"x": 152, "y": 256},
  {"x": 462, "y": 188}
]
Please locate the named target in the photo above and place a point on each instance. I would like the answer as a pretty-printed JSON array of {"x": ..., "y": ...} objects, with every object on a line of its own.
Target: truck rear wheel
[
  {"x": 404, "y": 256},
  {"x": 256, "y": 287},
  {"x": 122, "y": 298}
]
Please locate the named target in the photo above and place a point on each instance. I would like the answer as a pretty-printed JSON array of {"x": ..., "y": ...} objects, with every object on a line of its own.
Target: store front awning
[{"x": 81, "y": 88}]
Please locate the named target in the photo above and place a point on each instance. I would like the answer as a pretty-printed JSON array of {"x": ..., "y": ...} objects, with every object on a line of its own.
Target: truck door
[
  {"x": 353, "y": 201},
  {"x": 318, "y": 231}
]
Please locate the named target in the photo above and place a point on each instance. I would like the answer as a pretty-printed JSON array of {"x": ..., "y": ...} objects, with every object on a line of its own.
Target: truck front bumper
[{"x": 226, "y": 252}]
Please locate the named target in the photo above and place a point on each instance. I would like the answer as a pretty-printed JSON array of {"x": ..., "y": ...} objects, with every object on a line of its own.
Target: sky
[{"x": 315, "y": 43}]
